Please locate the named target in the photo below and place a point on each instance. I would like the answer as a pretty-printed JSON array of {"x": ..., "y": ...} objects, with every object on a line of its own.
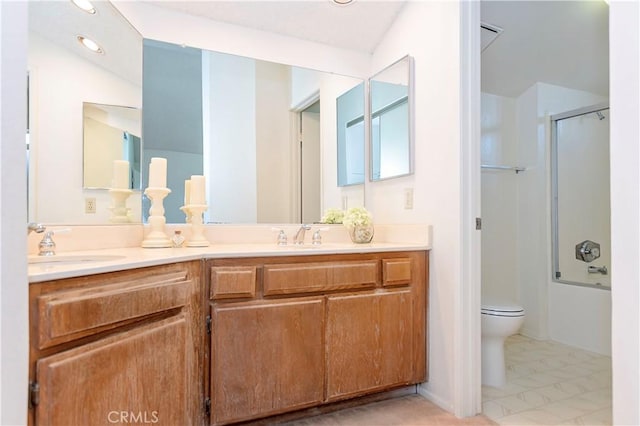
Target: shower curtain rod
[{"x": 514, "y": 168}]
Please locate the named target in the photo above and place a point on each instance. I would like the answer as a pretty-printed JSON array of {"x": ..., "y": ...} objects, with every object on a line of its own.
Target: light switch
[{"x": 408, "y": 198}]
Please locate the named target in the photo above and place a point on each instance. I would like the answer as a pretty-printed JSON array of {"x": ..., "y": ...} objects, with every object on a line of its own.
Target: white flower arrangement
[
  {"x": 333, "y": 215},
  {"x": 357, "y": 216}
]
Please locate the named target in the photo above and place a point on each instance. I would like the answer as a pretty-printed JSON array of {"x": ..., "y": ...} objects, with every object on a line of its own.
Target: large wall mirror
[
  {"x": 391, "y": 135},
  {"x": 64, "y": 79},
  {"x": 264, "y": 134}
]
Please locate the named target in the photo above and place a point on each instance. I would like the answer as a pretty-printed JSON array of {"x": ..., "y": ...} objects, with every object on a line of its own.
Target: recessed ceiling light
[
  {"x": 342, "y": 2},
  {"x": 85, "y": 5},
  {"x": 90, "y": 44}
]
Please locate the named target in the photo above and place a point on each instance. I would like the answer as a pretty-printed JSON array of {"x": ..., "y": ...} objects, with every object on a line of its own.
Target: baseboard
[{"x": 445, "y": 405}]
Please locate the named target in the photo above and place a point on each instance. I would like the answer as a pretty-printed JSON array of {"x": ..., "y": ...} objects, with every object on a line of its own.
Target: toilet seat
[{"x": 502, "y": 310}]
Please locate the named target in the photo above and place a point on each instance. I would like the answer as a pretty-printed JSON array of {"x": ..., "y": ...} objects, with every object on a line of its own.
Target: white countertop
[{"x": 77, "y": 263}]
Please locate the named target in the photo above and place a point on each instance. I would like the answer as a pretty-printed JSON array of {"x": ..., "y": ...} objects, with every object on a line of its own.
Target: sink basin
[{"x": 72, "y": 259}]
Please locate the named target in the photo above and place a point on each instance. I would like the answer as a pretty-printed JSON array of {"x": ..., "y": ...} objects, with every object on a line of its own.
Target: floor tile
[{"x": 549, "y": 383}]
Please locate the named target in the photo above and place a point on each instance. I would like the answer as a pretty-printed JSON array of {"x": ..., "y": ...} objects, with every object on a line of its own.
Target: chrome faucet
[
  {"x": 299, "y": 237},
  {"x": 37, "y": 227}
]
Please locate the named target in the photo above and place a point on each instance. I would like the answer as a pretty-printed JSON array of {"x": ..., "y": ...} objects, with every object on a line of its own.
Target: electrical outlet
[
  {"x": 90, "y": 205},
  {"x": 345, "y": 202},
  {"x": 408, "y": 198}
]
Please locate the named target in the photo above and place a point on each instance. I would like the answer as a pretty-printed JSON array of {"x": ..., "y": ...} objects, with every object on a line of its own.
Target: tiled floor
[
  {"x": 410, "y": 410},
  {"x": 550, "y": 384}
]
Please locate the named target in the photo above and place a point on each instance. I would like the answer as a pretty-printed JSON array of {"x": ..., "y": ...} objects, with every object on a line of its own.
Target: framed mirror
[
  {"x": 263, "y": 134},
  {"x": 64, "y": 76},
  {"x": 351, "y": 136},
  {"x": 580, "y": 205},
  {"x": 110, "y": 133},
  {"x": 391, "y": 133}
]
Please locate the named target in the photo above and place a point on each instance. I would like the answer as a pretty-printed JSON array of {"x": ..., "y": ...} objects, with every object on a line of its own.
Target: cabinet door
[
  {"x": 369, "y": 342},
  {"x": 138, "y": 376},
  {"x": 267, "y": 358}
]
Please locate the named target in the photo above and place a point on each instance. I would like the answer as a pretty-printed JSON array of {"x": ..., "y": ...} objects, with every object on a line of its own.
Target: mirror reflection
[
  {"x": 264, "y": 134},
  {"x": 391, "y": 142},
  {"x": 63, "y": 76},
  {"x": 110, "y": 133},
  {"x": 350, "y": 120}
]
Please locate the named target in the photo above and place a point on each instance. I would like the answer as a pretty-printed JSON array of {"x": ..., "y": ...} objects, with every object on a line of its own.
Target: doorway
[{"x": 310, "y": 164}]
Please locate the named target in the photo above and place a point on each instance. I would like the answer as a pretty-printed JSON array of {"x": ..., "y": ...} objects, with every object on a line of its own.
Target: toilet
[{"x": 499, "y": 321}]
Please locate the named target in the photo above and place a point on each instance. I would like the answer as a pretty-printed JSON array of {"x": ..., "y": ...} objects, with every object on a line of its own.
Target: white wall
[
  {"x": 229, "y": 132},
  {"x": 624, "y": 45},
  {"x": 14, "y": 317},
  {"x": 273, "y": 144},
  {"x": 179, "y": 28},
  {"x": 60, "y": 82},
  {"x": 430, "y": 32},
  {"x": 499, "y": 199}
]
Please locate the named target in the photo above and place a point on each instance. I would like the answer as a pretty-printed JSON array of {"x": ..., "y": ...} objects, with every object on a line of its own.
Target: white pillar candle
[
  {"x": 187, "y": 192},
  {"x": 158, "y": 172},
  {"x": 120, "y": 174},
  {"x": 197, "y": 190}
]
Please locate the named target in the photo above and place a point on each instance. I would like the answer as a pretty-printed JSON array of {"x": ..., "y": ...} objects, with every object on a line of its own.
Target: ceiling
[
  {"x": 356, "y": 26},
  {"x": 565, "y": 43},
  {"x": 556, "y": 42},
  {"x": 60, "y": 22}
]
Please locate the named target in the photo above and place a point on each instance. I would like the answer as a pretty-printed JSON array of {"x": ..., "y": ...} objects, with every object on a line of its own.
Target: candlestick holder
[
  {"x": 119, "y": 210},
  {"x": 187, "y": 213},
  {"x": 157, "y": 237},
  {"x": 196, "y": 239}
]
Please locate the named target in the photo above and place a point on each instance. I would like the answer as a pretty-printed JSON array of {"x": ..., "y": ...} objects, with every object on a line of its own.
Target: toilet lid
[{"x": 502, "y": 309}]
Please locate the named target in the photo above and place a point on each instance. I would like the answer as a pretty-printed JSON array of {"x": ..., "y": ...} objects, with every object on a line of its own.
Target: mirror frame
[{"x": 410, "y": 118}]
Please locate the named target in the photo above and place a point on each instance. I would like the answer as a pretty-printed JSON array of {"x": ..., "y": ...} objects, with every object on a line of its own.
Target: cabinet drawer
[
  {"x": 228, "y": 282},
  {"x": 69, "y": 314},
  {"x": 396, "y": 272},
  {"x": 321, "y": 276}
]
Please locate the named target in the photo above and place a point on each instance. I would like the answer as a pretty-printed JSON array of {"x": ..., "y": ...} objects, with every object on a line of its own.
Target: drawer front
[
  {"x": 69, "y": 314},
  {"x": 321, "y": 276},
  {"x": 229, "y": 282},
  {"x": 396, "y": 272}
]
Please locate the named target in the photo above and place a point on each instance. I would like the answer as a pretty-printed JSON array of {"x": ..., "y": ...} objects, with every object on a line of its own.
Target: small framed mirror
[
  {"x": 110, "y": 133},
  {"x": 391, "y": 134},
  {"x": 351, "y": 136}
]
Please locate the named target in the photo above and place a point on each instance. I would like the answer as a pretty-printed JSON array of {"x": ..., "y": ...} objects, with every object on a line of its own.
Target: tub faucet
[
  {"x": 299, "y": 237},
  {"x": 37, "y": 227}
]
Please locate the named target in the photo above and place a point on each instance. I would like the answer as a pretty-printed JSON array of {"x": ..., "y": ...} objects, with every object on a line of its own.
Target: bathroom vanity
[{"x": 216, "y": 337}]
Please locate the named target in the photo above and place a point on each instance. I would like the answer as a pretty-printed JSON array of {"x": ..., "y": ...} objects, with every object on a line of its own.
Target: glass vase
[{"x": 361, "y": 234}]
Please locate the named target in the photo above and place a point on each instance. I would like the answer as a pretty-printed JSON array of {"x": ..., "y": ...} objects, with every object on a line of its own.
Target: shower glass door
[{"x": 580, "y": 196}]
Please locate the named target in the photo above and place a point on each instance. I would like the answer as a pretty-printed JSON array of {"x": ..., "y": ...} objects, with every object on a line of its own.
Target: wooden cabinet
[
  {"x": 118, "y": 348},
  {"x": 369, "y": 343},
  {"x": 266, "y": 358},
  {"x": 238, "y": 340},
  {"x": 296, "y": 332}
]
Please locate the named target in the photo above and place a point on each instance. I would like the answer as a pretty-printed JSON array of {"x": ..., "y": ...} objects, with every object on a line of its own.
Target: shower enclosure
[{"x": 580, "y": 197}]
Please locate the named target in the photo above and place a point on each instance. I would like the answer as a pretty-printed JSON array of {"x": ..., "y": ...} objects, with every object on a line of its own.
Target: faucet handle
[
  {"x": 47, "y": 246},
  {"x": 316, "y": 240},
  {"x": 282, "y": 237}
]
